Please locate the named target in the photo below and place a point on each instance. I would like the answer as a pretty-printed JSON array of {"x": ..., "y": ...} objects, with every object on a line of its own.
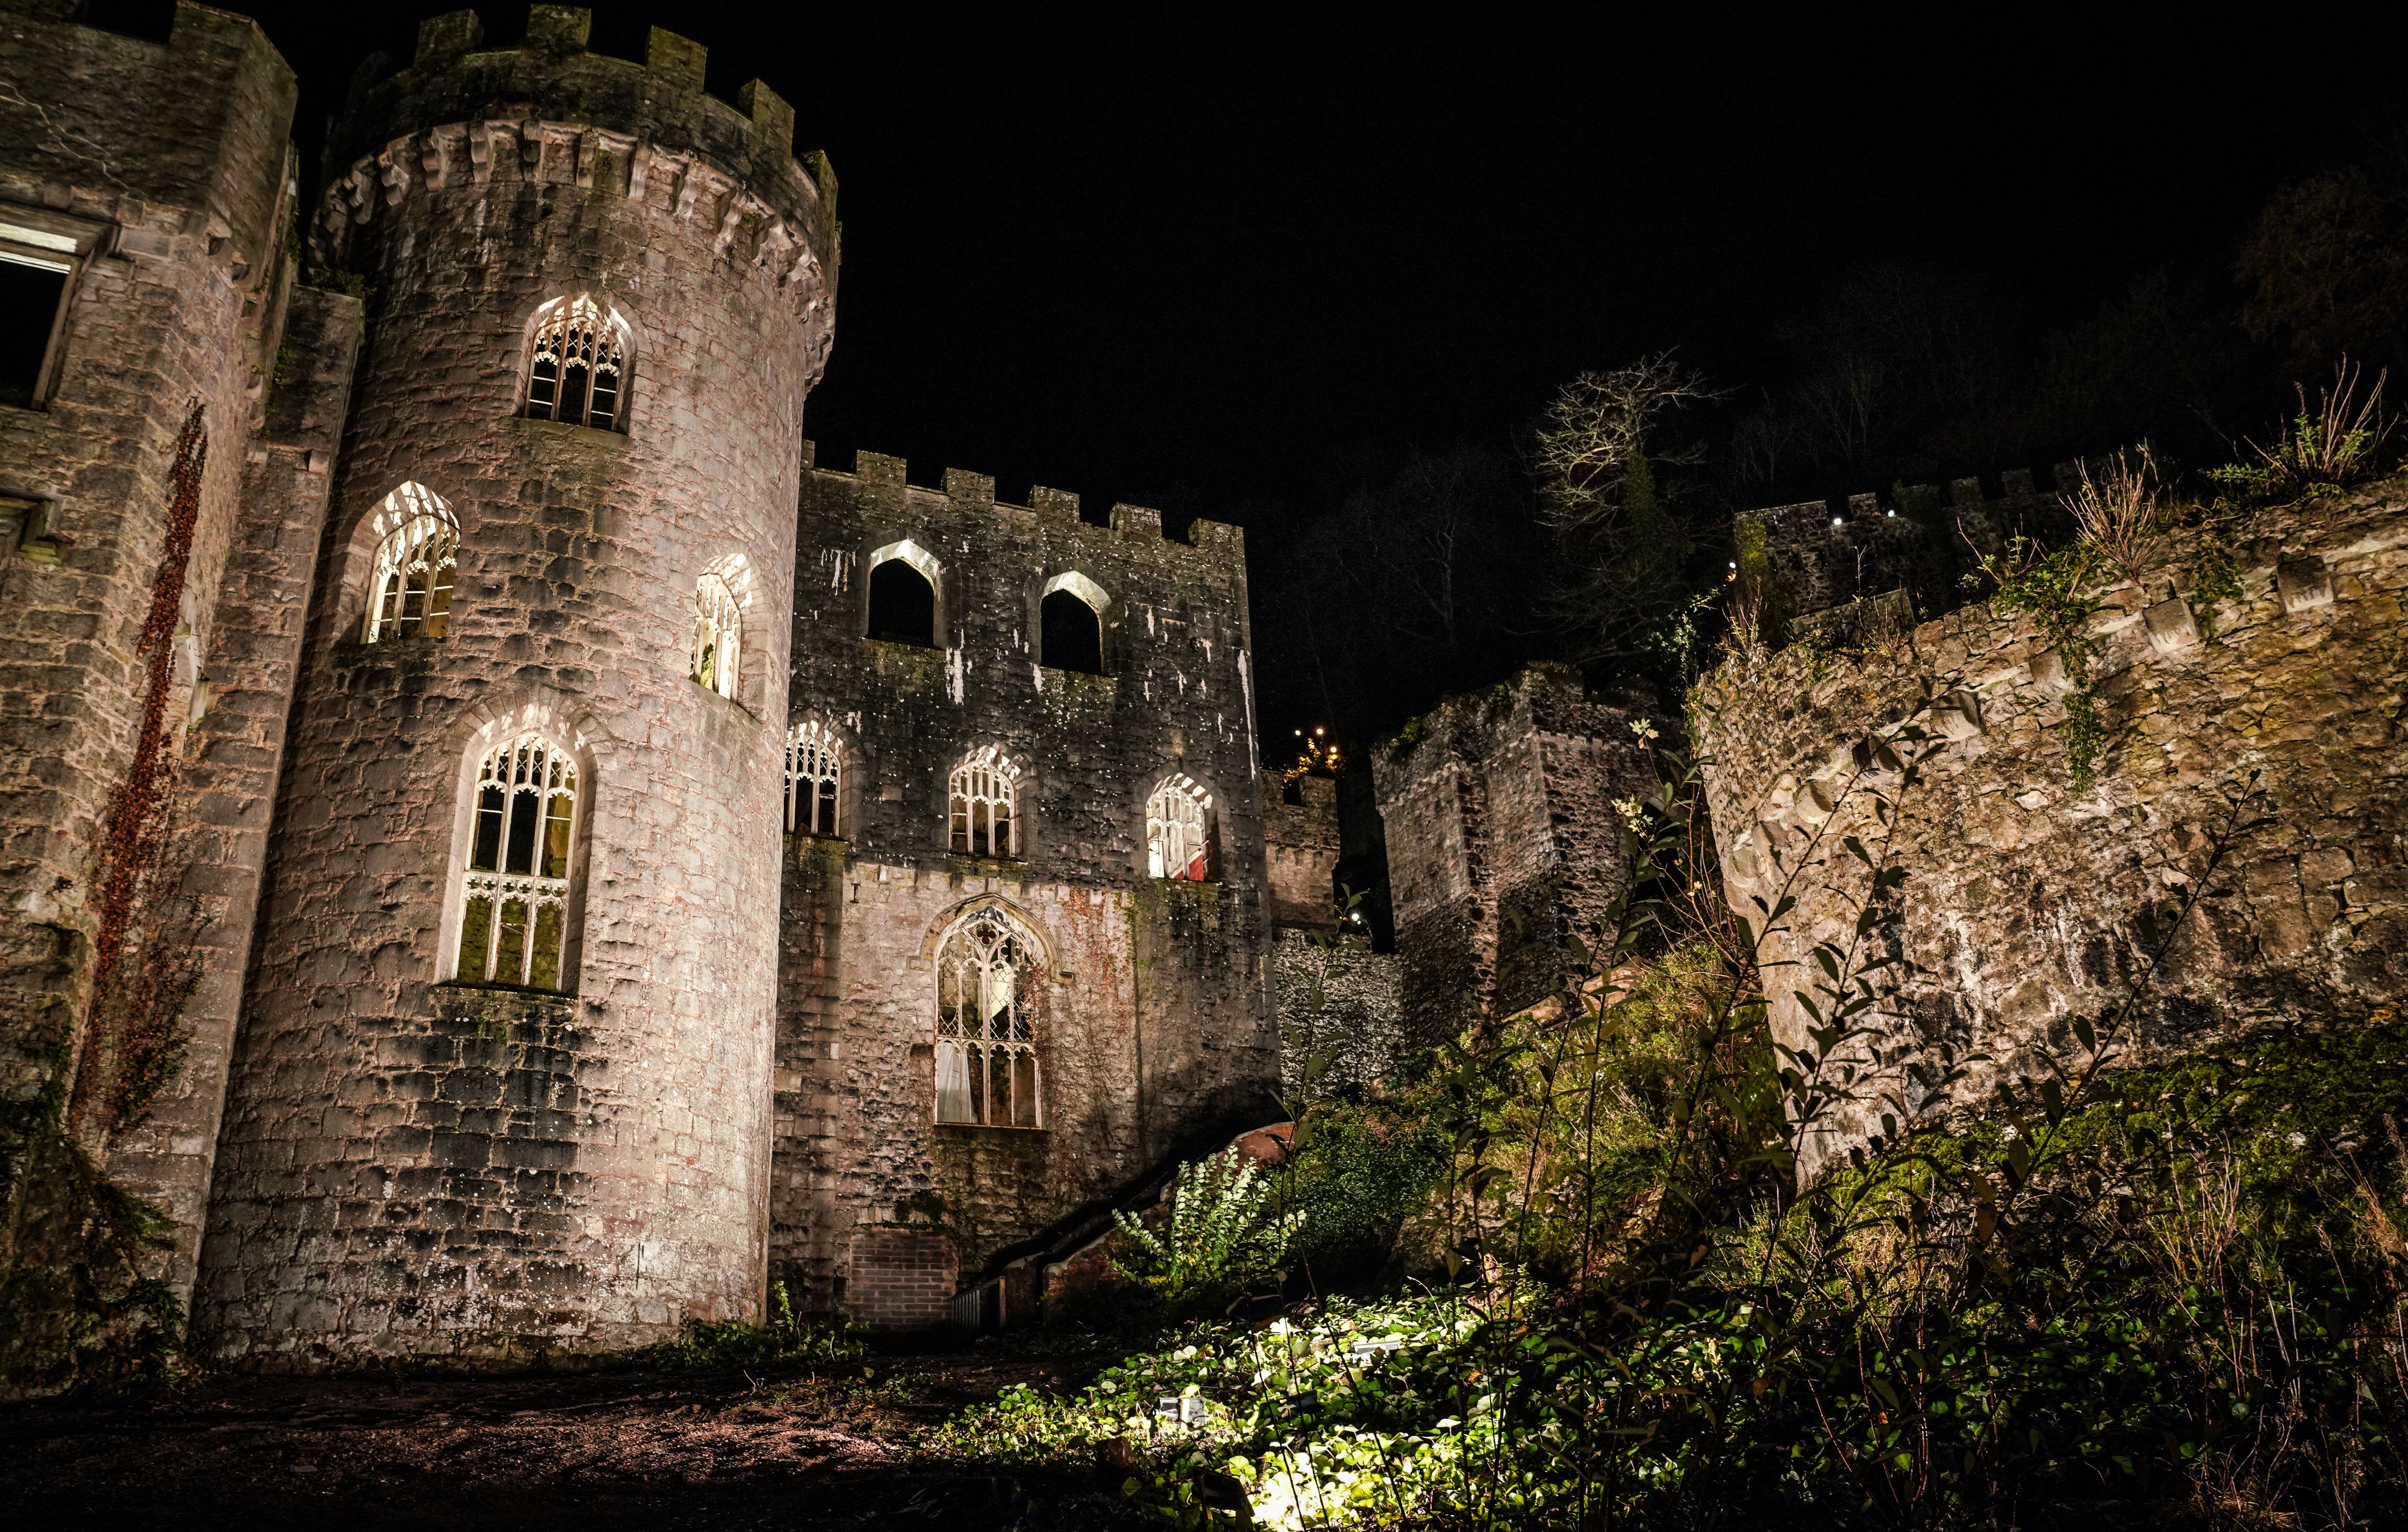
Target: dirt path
[{"x": 822, "y": 1447}]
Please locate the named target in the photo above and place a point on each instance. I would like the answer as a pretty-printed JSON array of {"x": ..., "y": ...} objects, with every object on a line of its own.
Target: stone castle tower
[
  {"x": 599, "y": 298},
  {"x": 451, "y": 877}
]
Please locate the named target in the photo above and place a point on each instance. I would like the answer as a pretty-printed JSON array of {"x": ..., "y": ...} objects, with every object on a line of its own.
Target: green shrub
[{"x": 1224, "y": 1237}]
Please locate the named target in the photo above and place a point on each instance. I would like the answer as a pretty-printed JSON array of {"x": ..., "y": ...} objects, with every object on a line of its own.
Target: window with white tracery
[
  {"x": 1179, "y": 831},
  {"x": 986, "y": 1037},
  {"x": 814, "y": 775},
  {"x": 577, "y": 367},
  {"x": 985, "y": 794},
  {"x": 514, "y": 919},
  {"x": 409, "y": 588},
  {"x": 718, "y": 633}
]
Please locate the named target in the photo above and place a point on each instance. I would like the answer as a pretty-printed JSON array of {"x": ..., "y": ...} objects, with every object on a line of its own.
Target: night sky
[{"x": 1178, "y": 258}]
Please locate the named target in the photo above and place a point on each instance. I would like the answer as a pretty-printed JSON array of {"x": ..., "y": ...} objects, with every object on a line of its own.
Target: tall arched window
[
  {"x": 1179, "y": 831},
  {"x": 718, "y": 635},
  {"x": 514, "y": 920},
  {"x": 410, "y": 589},
  {"x": 986, "y": 1035},
  {"x": 814, "y": 775},
  {"x": 985, "y": 794},
  {"x": 578, "y": 365}
]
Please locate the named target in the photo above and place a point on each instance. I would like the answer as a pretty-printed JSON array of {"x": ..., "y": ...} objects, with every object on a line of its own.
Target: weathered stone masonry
[
  {"x": 162, "y": 173},
  {"x": 413, "y": 1165},
  {"x": 1503, "y": 841},
  {"x": 2022, "y": 907},
  {"x": 1152, "y": 999}
]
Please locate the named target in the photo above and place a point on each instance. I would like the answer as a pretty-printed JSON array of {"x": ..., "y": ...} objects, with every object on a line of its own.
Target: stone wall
[
  {"x": 2028, "y": 904},
  {"x": 1502, "y": 842},
  {"x": 411, "y": 1166},
  {"x": 138, "y": 681},
  {"x": 1302, "y": 841},
  {"x": 1339, "y": 999},
  {"x": 1153, "y": 999}
]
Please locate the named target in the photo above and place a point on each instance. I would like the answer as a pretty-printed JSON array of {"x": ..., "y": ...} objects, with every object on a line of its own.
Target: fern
[{"x": 1222, "y": 1238}]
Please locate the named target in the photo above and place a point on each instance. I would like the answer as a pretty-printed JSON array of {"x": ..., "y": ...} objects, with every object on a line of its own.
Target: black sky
[{"x": 1178, "y": 255}]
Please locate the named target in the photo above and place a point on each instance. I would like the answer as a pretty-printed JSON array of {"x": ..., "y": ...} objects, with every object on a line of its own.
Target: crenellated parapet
[{"x": 547, "y": 114}]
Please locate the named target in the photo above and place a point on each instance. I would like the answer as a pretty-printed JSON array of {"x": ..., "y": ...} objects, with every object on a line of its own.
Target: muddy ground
[{"x": 793, "y": 1446}]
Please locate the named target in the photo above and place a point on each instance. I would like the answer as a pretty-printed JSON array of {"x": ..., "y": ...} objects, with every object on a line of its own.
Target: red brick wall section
[{"x": 901, "y": 1278}]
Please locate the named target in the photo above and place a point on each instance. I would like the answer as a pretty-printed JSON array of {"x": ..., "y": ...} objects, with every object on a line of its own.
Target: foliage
[
  {"x": 2323, "y": 449},
  {"x": 1225, "y": 1237},
  {"x": 702, "y": 1343},
  {"x": 2058, "y": 591},
  {"x": 2123, "y": 1296},
  {"x": 1359, "y": 1171},
  {"x": 2326, "y": 268}
]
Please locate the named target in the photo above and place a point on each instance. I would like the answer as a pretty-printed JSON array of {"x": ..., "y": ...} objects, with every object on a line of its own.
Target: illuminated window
[
  {"x": 577, "y": 367},
  {"x": 718, "y": 635},
  {"x": 814, "y": 775},
  {"x": 409, "y": 589},
  {"x": 986, "y": 1037},
  {"x": 514, "y": 920},
  {"x": 1179, "y": 831},
  {"x": 985, "y": 794}
]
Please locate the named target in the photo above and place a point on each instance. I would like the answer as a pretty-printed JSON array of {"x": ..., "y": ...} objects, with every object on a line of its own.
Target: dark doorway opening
[
  {"x": 902, "y": 605},
  {"x": 29, "y": 310},
  {"x": 1072, "y": 636}
]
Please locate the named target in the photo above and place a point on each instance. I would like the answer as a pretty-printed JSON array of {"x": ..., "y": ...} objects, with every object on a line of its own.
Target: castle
[{"x": 504, "y": 852}]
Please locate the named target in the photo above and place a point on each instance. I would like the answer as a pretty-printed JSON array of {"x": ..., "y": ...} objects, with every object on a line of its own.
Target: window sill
[
  {"x": 906, "y": 646},
  {"x": 564, "y": 428},
  {"x": 987, "y": 867},
  {"x": 488, "y": 986},
  {"x": 989, "y": 1127}
]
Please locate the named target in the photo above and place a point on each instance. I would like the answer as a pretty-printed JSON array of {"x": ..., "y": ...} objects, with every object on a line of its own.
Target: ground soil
[{"x": 790, "y": 1446}]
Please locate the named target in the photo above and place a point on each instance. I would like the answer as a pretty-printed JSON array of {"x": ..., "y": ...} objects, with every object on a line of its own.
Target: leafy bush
[
  {"x": 1358, "y": 1173},
  {"x": 732, "y": 1343},
  {"x": 2322, "y": 450},
  {"x": 1224, "y": 1237}
]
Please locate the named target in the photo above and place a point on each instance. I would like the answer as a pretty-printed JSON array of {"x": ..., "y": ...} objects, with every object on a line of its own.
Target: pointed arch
[
  {"x": 1179, "y": 830},
  {"x": 815, "y": 779},
  {"x": 982, "y": 799},
  {"x": 417, "y": 562},
  {"x": 990, "y": 986},
  {"x": 580, "y": 355},
  {"x": 902, "y": 609}
]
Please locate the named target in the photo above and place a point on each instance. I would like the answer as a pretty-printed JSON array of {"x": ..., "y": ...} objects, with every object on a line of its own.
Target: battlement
[
  {"x": 1908, "y": 545},
  {"x": 548, "y": 111},
  {"x": 965, "y": 490}
]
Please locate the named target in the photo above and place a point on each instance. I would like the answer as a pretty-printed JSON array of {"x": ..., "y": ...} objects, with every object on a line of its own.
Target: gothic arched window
[
  {"x": 904, "y": 594},
  {"x": 985, "y": 800},
  {"x": 1071, "y": 624},
  {"x": 522, "y": 838},
  {"x": 814, "y": 776},
  {"x": 986, "y": 1033},
  {"x": 409, "y": 589},
  {"x": 578, "y": 365},
  {"x": 718, "y": 635},
  {"x": 1179, "y": 831}
]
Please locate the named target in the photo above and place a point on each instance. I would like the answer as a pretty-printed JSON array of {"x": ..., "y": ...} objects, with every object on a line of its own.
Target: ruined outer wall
[
  {"x": 2019, "y": 911},
  {"x": 414, "y": 1167},
  {"x": 1501, "y": 841},
  {"x": 166, "y": 167},
  {"x": 1154, "y": 1018}
]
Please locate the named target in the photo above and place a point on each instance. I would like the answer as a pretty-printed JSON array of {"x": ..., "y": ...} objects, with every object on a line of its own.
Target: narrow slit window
[
  {"x": 718, "y": 635},
  {"x": 515, "y": 917},
  {"x": 577, "y": 364},
  {"x": 985, "y": 793},
  {"x": 814, "y": 775},
  {"x": 410, "y": 585},
  {"x": 986, "y": 1033},
  {"x": 1179, "y": 831}
]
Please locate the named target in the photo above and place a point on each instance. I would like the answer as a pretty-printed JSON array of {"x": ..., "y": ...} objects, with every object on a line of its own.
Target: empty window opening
[
  {"x": 814, "y": 775},
  {"x": 985, "y": 793},
  {"x": 577, "y": 367},
  {"x": 718, "y": 635},
  {"x": 986, "y": 1037},
  {"x": 1072, "y": 635},
  {"x": 409, "y": 591},
  {"x": 1179, "y": 831},
  {"x": 32, "y": 288},
  {"x": 514, "y": 922},
  {"x": 902, "y": 605}
]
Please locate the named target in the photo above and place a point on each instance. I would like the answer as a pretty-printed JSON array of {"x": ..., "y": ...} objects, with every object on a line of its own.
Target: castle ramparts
[{"x": 2236, "y": 864}]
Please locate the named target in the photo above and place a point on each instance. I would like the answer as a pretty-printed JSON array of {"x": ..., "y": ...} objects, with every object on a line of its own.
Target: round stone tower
[{"x": 505, "y": 1082}]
